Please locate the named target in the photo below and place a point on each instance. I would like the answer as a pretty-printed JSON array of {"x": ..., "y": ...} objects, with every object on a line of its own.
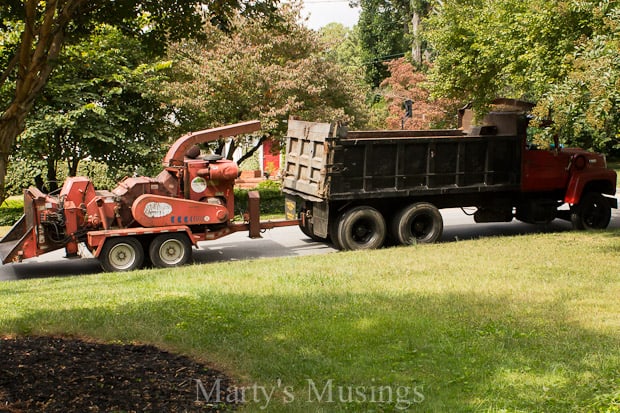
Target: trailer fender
[{"x": 96, "y": 239}]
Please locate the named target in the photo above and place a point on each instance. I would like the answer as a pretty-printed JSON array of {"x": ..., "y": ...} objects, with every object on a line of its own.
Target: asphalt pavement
[{"x": 278, "y": 242}]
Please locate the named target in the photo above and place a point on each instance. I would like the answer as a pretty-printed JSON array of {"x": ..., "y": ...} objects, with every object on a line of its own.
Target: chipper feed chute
[{"x": 19, "y": 237}]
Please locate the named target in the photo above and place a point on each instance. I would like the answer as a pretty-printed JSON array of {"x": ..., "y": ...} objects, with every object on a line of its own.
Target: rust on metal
[{"x": 176, "y": 153}]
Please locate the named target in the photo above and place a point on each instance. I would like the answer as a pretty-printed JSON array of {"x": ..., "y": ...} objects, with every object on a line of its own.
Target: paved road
[{"x": 279, "y": 242}]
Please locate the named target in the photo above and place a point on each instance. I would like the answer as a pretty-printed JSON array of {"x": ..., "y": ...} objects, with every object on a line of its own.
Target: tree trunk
[
  {"x": 73, "y": 166},
  {"x": 251, "y": 151},
  {"x": 416, "y": 49},
  {"x": 52, "y": 177},
  {"x": 11, "y": 125},
  {"x": 231, "y": 149},
  {"x": 40, "y": 44}
]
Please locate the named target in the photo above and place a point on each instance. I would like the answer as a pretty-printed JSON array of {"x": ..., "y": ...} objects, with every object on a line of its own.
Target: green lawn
[{"x": 514, "y": 324}]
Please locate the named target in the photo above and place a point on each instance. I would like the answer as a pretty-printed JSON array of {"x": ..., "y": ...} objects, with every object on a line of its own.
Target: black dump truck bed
[{"x": 327, "y": 162}]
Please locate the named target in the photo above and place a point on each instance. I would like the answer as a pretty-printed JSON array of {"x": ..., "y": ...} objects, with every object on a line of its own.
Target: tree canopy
[
  {"x": 405, "y": 82},
  {"x": 264, "y": 72},
  {"x": 100, "y": 103},
  {"x": 383, "y": 32},
  {"x": 548, "y": 51},
  {"x": 33, "y": 33}
]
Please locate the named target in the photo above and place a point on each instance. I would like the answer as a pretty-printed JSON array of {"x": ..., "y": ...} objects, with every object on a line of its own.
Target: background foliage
[
  {"x": 114, "y": 98},
  {"x": 101, "y": 105},
  {"x": 562, "y": 53},
  {"x": 265, "y": 72}
]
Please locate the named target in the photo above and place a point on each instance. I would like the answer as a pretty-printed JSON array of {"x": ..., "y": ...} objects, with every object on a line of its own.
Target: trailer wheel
[
  {"x": 593, "y": 212},
  {"x": 170, "y": 250},
  {"x": 361, "y": 228},
  {"x": 121, "y": 254},
  {"x": 417, "y": 223}
]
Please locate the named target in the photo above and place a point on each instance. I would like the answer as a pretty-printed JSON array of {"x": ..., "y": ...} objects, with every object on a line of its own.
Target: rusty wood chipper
[{"x": 143, "y": 219}]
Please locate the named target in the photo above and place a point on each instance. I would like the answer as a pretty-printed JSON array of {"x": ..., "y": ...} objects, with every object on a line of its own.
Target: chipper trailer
[{"x": 158, "y": 219}]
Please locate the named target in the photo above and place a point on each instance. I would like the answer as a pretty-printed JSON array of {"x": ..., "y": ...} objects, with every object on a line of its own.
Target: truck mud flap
[{"x": 12, "y": 243}]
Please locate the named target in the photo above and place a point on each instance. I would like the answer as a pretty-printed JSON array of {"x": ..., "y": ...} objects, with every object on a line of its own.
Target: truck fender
[{"x": 603, "y": 182}]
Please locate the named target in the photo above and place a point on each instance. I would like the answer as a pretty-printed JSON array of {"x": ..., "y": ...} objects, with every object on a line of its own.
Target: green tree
[
  {"x": 342, "y": 45},
  {"x": 383, "y": 31},
  {"x": 33, "y": 32},
  {"x": 554, "y": 50},
  {"x": 99, "y": 104},
  {"x": 489, "y": 48},
  {"x": 265, "y": 72},
  {"x": 585, "y": 106}
]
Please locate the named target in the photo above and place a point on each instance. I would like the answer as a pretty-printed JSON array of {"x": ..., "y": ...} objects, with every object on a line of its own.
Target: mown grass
[{"x": 515, "y": 324}]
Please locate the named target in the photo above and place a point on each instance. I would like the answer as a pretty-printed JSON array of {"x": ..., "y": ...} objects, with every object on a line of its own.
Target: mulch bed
[{"x": 52, "y": 374}]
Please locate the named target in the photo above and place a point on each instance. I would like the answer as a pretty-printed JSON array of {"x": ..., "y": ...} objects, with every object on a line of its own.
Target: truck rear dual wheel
[
  {"x": 359, "y": 228},
  {"x": 592, "y": 212},
  {"x": 121, "y": 254},
  {"x": 417, "y": 223}
]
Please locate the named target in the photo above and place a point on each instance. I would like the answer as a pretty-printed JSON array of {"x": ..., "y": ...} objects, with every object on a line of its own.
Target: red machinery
[{"x": 191, "y": 200}]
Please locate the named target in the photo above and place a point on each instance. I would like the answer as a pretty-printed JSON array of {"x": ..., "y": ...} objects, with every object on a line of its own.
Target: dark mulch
[{"x": 51, "y": 374}]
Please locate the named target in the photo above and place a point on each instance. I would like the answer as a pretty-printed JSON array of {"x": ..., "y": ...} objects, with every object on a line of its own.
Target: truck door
[{"x": 544, "y": 170}]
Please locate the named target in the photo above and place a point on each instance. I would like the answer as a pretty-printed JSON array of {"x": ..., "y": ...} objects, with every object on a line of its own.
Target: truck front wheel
[
  {"x": 361, "y": 228},
  {"x": 417, "y": 223},
  {"x": 592, "y": 212},
  {"x": 121, "y": 254},
  {"x": 170, "y": 250}
]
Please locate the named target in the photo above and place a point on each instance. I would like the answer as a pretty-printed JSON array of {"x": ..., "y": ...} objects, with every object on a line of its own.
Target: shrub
[
  {"x": 10, "y": 211},
  {"x": 271, "y": 198}
]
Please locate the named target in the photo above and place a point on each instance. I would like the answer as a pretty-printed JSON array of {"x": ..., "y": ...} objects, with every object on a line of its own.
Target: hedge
[
  {"x": 10, "y": 211},
  {"x": 271, "y": 198}
]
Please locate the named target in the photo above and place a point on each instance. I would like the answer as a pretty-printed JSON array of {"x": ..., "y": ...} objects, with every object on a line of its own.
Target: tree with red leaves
[{"x": 404, "y": 83}]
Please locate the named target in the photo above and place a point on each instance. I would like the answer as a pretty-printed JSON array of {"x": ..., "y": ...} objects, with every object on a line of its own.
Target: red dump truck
[
  {"x": 361, "y": 188},
  {"x": 143, "y": 219}
]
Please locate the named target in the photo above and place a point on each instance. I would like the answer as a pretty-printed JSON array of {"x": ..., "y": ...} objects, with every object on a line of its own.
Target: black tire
[
  {"x": 592, "y": 212},
  {"x": 333, "y": 232},
  {"x": 361, "y": 228},
  {"x": 170, "y": 250},
  {"x": 121, "y": 254},
  {"x": 419, "y": 223}
]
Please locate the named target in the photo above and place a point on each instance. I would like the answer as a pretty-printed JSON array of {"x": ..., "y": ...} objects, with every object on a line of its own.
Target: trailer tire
[
  {"x": 592, "y": 212},
  {"x": 121, "y": 254},
  {"x": 361, "y": 228},
  {"x": 170, "y": 250},
  {"x": 417, "y": 223}
]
